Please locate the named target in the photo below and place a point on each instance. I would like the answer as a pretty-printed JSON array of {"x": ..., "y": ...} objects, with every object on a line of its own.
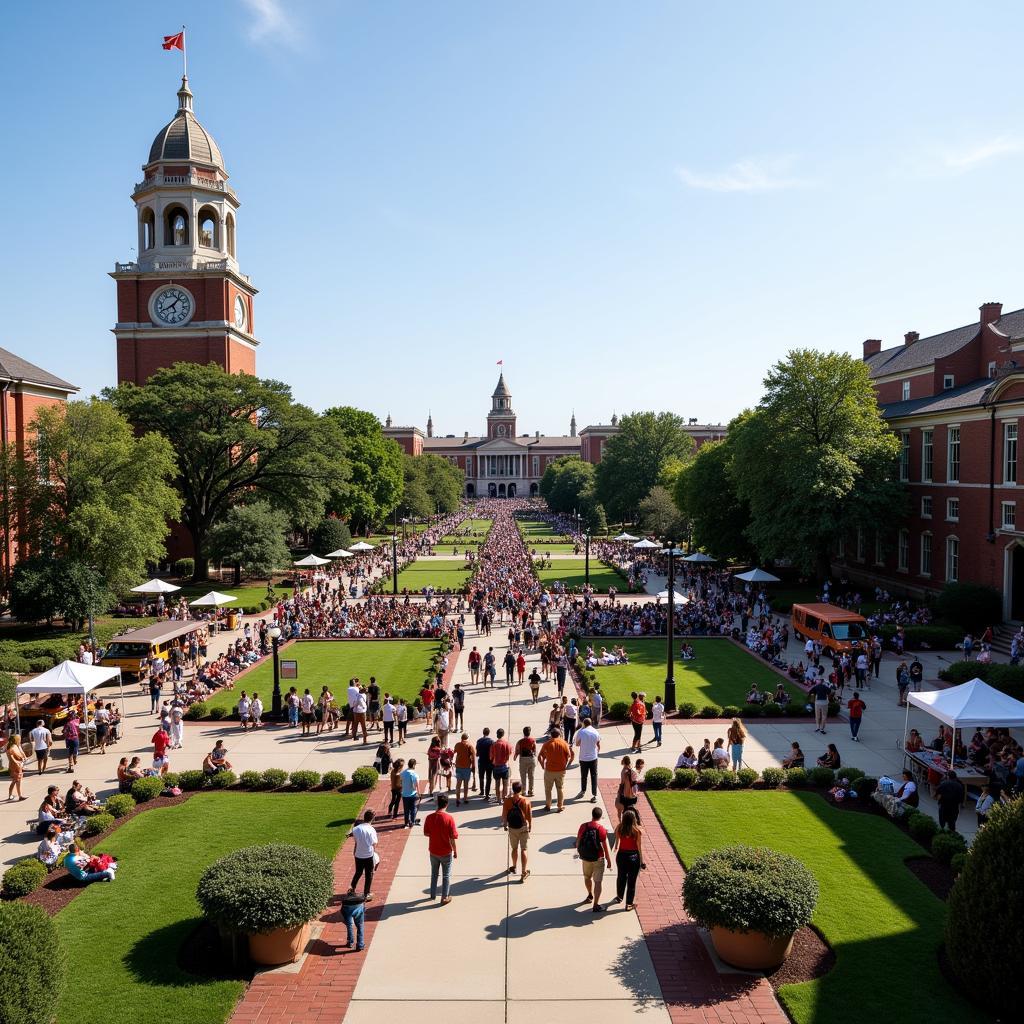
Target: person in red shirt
[
  {"x": 161, "y": 741},
  {"x": 441, "y": 833},
  {"x": 856, "y": 707},
  {"x": 637, "y": 715},
  {"x": 501, "y": 754},
  {"x": 521, "y": 667}
]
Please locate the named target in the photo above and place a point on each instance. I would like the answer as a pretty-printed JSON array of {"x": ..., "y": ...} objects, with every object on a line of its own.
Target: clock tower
[{"x": 184, "y": 298}]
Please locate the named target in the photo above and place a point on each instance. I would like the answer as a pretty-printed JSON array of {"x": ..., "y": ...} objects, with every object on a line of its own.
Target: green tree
[
  {"x": 8, "y": 688},
  {"x": 660, "y": 516},
  {"x": 374, "y": 486},
  {"x": 706, "y": 496},
  {"x": 646, "y": 446},
  {"x": 97, "y": 493},
  {"x": 251, "y": 537},
  {"x": 815, "y": 460},
  {"x": 44, "y": 588},
  {"x": 330, "y": 534},
  {"x": 443, "y": 482},
  {"x": 565, "y": 483},
  {"x": 237, "y": 438}
]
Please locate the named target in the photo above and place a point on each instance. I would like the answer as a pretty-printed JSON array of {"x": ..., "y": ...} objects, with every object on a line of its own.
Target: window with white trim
[
  {"x": 926, "y": 553},
  {"x": 926, "y": 506},
  {"x": 536, "y": 465},
  {"x": 469, "y": 465},
  {"x": 1009, "y": 453},
  {"x": 927, "y": 454},
  {"x": 860, "y": 544},
  {"x": 1009, "y": 515},
  {"x": 948, "y": 381},
  {"x": 906, "y": 390},
  {"x": 991, "y": 369},
  {"x": 953, "y": 510},
  {"x": 903, "y": 550},
  {"x": 953, "y": 454},
  {"x": 904, "y": 455},
  {"x": 952, "y": 559}
]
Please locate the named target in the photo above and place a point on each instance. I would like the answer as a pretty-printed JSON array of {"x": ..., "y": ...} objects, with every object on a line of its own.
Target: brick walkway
[
  {"x": 694, "y": 991},
  {"x": 322, "y": 989}
]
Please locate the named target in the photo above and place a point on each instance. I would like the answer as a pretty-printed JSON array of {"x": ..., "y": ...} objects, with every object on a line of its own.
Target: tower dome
[{"x": 184, "y": 138}]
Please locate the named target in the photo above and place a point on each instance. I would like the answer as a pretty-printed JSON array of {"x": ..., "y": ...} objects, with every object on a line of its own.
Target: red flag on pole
[
  {"x": 501, "y": 361},
  {"x": 175, "y": 42}
]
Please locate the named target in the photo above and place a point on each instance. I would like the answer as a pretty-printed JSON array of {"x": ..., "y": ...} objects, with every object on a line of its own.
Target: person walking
[
  {"x": 534, "y": 679},
  {"x": 442, "y": 835},
  {"x": 570, "y": 719},
  {"x": 42, "y": 740},
  {"x": 501, "y": 754},
  {"x": 820, "y": 693},
  {"x": 395, "y": 777},
  {"x": 629, "y": 858},
  {"x": 856, "y": 708},
  {"x": 561, "y": 670},
  {"x": 555, "y": 756},
  {"x": 72, "y": 738},
  {"x": 459, "y": 706},
  {"x": 464, "y": 755},
  {"x": 365, "y": 836},
  {"x": 517, "y": 820},
  {"x": 950, "y": 794},
  {"x": 178, "y": 724},
  {"x": 510, "y": 666},
  {"x": 15, "y": 766},
  {"x": 353, "y": 913},
  {"x": 388, "y": 718},
  {"x": 526, "y": 755},
  {"x": 592, "y": 849},
  {"x": 410, "y": 794},
  {"x": 490, "y": 667},
  {"x": 485, "y": 770},
  {"x": 657, "y": 718},
  {"x": 588, "y": 743},
  {"x": 637, "y": 716},
  {"x": 736, "y": 734}
]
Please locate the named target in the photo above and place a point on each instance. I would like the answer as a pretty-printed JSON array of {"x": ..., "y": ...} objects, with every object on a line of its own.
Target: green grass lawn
[
  {"x": 447, "y": 575},
  {"x": 533, "y": 529},
  {"x": 570, "y": 571},
  {"x": 883, "y": 924},
  {"x": 459, "y": 542},
  {"x": 248, "y": 596},
  {"x": 720, "y": 674},
  {"x": 123, "y": 939},
  {"x": 556, "y": 548},
  {"x": 399, "y": 665}
]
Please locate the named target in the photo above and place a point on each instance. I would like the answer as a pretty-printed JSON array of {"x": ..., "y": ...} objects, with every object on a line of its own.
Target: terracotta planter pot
[
  {"x": 280, "y": 946},
  {"x": 751, "y": 951}
]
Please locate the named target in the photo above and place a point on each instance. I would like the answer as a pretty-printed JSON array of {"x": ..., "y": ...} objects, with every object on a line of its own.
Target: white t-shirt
[
  {"x": 87, "y": 657},
  {"x": 570, "y": 711},
  {"x": 307, "y": 702},
  {"x": 365, "y": 836},
  {"x": 588, "y": 739},
  {"x": 353, "y": 696},
  {"x": 658, "y": 713},
  {"x": 719, "y": 755},
  {"x": 388, "y": 711},
  {"x": 243, "y": 707},
  {"x": 402, "y": 713},
  {"x": 257, "y": 707},
  {"x": 442, "y": 721},
  {"x": 41, "y": 737}
]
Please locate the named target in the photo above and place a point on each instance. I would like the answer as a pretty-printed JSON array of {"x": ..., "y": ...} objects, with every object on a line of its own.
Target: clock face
[
  {"x": 172, "y": 306},
  {"x": 239, "y": 311}
]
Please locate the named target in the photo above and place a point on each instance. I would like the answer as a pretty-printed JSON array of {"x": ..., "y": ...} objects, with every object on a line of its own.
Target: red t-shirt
[
  {"x": 161, "y": 741},
  {"x": 500, "y": 752},
  {"x": 427, "y": 696},
  {"x": 856, "y": 708},
  {"x": 440, "y": 830},
  {"x": 638, "y": 711}
]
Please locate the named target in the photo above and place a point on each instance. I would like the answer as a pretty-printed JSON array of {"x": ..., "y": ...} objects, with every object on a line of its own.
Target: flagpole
[{"x": 184, "y": 52}]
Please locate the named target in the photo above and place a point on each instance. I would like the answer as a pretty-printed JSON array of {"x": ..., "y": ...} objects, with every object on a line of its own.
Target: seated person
[
  {"x": 797, "y": 671},
  {"x": 754, "y": 695},
  {"x": 687, "y": 759},
  {"x": 86, "y": 867},
  {"x": 51, "y": 811},
  {"x": 914, "y": 742},
  {"x": 720, "y": 756},
  {"x": 781, "y": 695},
  {"x": 687, "y": 652},
  {"x": 53, "y": 845},
  {"x": 704, "y": 758},
  {"x": 217, "y": 760},
  {"x": 796, "y": 757},
  {"x": 81, "y": 800},
  {"x": 830, "y": 759},
  {"x": 907, "y": 793},
  {"x": 620, "y": 653}
]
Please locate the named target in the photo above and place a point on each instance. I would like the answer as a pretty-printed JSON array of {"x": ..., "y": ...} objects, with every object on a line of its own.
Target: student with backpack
[
  {"x": 592, "y": 847},
  {"x": 517, "y": 820}
]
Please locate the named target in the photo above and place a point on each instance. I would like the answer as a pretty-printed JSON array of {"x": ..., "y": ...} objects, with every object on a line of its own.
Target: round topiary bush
[
  {"x": 619, "y": 709},
  {"x": 773, "y": 777},
  {"x": 710, "y": 778},
  {"x": 684, "y": 778},
  {"x": 796, "y": 778},
  {"x": 274, "y": 778},
  {"x": 304, "y": 779},
  {"x": 333, "y": 780},
  {"x": 658, "y": 778},
  {"x": 365, "y": 777},
  {"x": 119, "y": 805},
  {"x": 198, "y": 711},
  {"x": 985, "y": 902},
  {"x": 711, "y": 711},
  {"x": 171, "y": 779},
  {"x": 750, "y": 889},
  {"x": 223, "y": 780},
  {"x": 773, "y": 710},
  {"x": 250, "y": 779},
  {"x": 260, "y": 888},
  {"x": 946, "y": 845},
  {"x": 730, "y": 780},
  {"x": 218, "y": 713},
  {"x": 865, "y": 787},
  {"x": 922, "y": 827},
  {"x": 746, "y": 777},
  {"x": 730, "y": 711},
  {"x": 752, "y": 711},
  {"x": 958, "y": 862},
  {"x": 96, "y": 824},
  {"x": 688, "y": 709},
  {"x": 33, "y": 963},
  {"x": 853, "y": 774},
  {"x": 822, "y": 777},
  {"x": 147, "y": 788},
  {"x": 22, "y": 878},
  {"x": 191, "y": 780}
]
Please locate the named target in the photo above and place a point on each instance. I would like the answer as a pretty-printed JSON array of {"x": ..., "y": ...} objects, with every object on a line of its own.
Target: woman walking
[
  {"x": 15, "y": 766},
  {"x": 433, "y": 762},
  {"x": 736, "y": 735},
  {"x": 396, "y": 787},
  {"x": 625, "y": 798},
  {"x": 629, "y": 859}
]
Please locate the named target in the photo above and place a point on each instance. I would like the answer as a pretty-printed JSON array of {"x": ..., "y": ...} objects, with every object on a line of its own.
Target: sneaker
[
  {"x": 598, "y": 909},
  {"x": 593, "y": 799}
]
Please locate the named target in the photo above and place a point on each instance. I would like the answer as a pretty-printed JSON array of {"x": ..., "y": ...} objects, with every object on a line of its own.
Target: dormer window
[
  {"x": 906, "y": 390},
  {"x": 948, "y": 381}
]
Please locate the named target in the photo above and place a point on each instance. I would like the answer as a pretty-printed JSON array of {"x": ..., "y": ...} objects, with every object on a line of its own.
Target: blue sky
[{"x": 634, "y": 205}]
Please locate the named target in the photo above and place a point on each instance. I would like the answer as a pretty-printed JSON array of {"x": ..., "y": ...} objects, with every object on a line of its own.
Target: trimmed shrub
[
  {"x": 773, "y": 777},
  {"x": 747, "y": 777},
  {"x": 98, "y": 823},
  {"x": 14, "y": 663},
  {"x": 749, "y": 888},
  {"x": 259, "y": 888},
  {"x": 171, "y": 779},
  {"x": 198, "y": 711},
  {"x": 274, "y": 778},
  {"x": 730, "y": 780},
  {"x": 687, "y": 709},
  {"x": 184, "y": 567},
  {"x": 985, "y": 901},
  {"x": 684, "y": 778},
  {"x": 304, "y": 779},
  {"x": 24, "y": 877},
  {"x": 853, "y": 774},
  {"x": 223, "y": 780},
  {"x": 822, "y": 777},
  {"x": 865, "y": 787},
  {"x": 1007, "y": 678},
  {"x": 969, "y": 605},
  {"x": 946, "y": 845},
  {"x": 619, "y": 709},
  {"x": 958, "y": 862},
  {"x": 711, "y": 711},
  {"x": 773, "y": 710},
  {"x": 710, "y": 778},
  {"x": 147, "y": 788},
  {"x": 833, "y": 707},
  {"x": 752, "y": 711},
  {"x": 796, "y": 778},
  {"x": 191, "y": 780},
  {"x": 922, "y": 827},
  {"x": 658, "y": 778},
  {"x": 365, "y": 777},
  {"x": 119, "y": 804},
  {"x": 250, "y": 779},
  {"x": 333, "y": 780},
  {"x": 218, "y": 713},
  {"x": 730, "y": 711},
  {"x": 33, "y": 963}
]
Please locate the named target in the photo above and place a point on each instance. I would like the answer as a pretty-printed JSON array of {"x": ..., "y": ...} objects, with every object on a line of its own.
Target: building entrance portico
[{"x": 1013, "y": 582}]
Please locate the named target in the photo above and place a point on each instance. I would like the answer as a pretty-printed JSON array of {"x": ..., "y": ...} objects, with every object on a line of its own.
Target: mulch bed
[
  {"x": 937, "y": 876},
  {"x": 812, "y": 958}
]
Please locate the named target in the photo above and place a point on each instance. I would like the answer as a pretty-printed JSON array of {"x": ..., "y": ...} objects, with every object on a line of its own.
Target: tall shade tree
[
  {"x": 634, "y": 460},
  {"x": 251, "y": 537},
  {"x": 815, "y": 460},
  {"x": 568, "y": 485},
  {"x": 374, "y": 485},
  {"x": 432, "y": 484},
  {"x": 660, "y": 516},
  {"x": 97, "y": 493},
  {"x": 237, "y": 438}
]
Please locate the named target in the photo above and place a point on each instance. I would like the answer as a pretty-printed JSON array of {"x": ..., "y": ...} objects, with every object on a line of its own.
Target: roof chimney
[
  {"x": 910, "y": 337},
  {"x": 872, "y": 347},
  {"x": 990, "y": 312}
]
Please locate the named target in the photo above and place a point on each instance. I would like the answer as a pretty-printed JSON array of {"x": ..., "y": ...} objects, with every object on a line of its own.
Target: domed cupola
[{"x": 184, "y": 139}]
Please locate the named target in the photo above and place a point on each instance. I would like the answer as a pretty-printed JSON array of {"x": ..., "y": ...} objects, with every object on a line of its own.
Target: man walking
[
  {"x": 588, "y": 743},
  {"x": 365, "y": 836},
  {"x": 555, "y": 756},
  {"x": 856, "y": 709},
  {"x": 490, "y": 667},
  {"x": 637, "y": 716},
  {"x": 950, "y": 796},
  {"x": 410, "y": 794},
  {"x": 592, "y": 847},
  {"x": 463, "y": 768},
  {"x": 517, "y": 820},
  {"x": 819, "y": 693},
  {"x": 42, "y": 740},
  {"x": 561, "y": 668},
  {"x": 439, "y": 828},
  {"x": 72, "y": 737},
  {"x": 483, "y": 763},
  {"x": 501, "y": 754},
  {"x": 526, "y": 755},
  {"x": 510, "y": 666}
]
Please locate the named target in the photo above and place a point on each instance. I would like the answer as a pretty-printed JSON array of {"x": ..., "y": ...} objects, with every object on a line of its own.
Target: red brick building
[
  {"x": 184, "y": 299},
  {"x": 956, "y": 401}
]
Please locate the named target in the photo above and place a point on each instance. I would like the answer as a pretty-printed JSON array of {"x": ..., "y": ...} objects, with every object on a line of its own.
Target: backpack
[
  {"x": 515, "y": 817},
  {"x": 590, "y": 843}
]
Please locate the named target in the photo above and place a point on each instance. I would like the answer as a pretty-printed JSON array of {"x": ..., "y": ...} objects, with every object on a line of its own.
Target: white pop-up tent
[
  {"x": 71, "y": 678},
  {"x": 970, "y": 705}
]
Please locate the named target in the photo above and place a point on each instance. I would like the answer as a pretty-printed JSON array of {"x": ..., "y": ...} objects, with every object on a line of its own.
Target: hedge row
[
  {"x": 1007, "y": 678},
  {"x": 794, "y": 778},
  {"x": 620, "y": 710}
]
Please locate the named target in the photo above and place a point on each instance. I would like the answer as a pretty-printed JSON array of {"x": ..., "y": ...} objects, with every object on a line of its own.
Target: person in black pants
[
  {"x": 483, "y": 763},
  {"x": 365, "y": 836},
  {"x": 628, "y": 843},
  {"x": 950, "y": 795}
]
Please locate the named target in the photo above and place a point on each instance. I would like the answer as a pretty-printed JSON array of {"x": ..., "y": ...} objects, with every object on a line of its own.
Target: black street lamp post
[
  {"x": 670, "y": 675},
  {"x": 587, "y": 562},
  {"x": 275, "y": 638},
  {"x": 394, "y": 563}
]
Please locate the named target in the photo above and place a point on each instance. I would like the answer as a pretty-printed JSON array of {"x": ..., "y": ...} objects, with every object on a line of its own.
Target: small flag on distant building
[
  {"x": 175, "y": 42},
  {"x": 501, "y": 361}
]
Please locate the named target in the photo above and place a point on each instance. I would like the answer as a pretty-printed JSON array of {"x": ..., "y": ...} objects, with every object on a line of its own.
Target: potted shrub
[
  {"x": 270, "y": 894},
  {"x": 753, "y": 900}
]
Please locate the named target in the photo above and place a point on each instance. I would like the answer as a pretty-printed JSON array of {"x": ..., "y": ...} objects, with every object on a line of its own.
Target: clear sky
[{"x": 634, "y": 205}]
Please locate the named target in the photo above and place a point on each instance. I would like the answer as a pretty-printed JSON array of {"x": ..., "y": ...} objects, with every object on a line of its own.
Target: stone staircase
[{"x": 1001, "y": 637}]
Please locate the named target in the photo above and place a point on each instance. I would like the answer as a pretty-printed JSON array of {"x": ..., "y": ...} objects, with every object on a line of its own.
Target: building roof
[
  {"x": 945, "y": 401},
  {"x": 502, "y": 391},
  {"x": 15, "y": 368},
  {"x": 529, "y": 441},
  {"x": 184, "y": 138}
]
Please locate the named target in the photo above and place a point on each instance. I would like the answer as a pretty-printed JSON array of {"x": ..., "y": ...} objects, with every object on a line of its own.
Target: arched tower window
[
  {"x": 148, "y": 229},
  {"x": 209, "y": 234},
  {"x": 176, "y": 226},
  {"x": 231, "y": 235}
]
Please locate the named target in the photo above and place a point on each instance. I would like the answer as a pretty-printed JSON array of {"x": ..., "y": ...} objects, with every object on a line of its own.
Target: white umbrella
[
  {"x": 215, "y": 598},
  {"x": 645, "y": 544},
  {"x": 155, "y": 587},
  {"x": 757, "y": 576},
  {"x": 340, "y": 553},
  {"x": 625, "y": 536},
  {"x": 311, "y": 560},
  {"x": 678, "y": 598},
  {"x": 699, "y": 556},
  {"x": 361, "y": 546}
]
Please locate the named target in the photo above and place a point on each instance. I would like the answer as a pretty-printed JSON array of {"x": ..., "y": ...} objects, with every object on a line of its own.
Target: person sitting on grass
[
  {"x": 796, "y": 757},
  {"x": 55, "y": 841},
  {"x": 704, "y": 758},
  {"x": 686, "y": 652},
  {"x": 216, "y": 760},
  {"x": 754, "y": 695},
  {"x": 81, "y": 800},
  {"x": 797, "y": 672},
  {"x": 831, "y": 758},
  {"x": 781, "y": 695},
  {"x": 687, "y": 759},
  {"x": 90, "y": 867}
]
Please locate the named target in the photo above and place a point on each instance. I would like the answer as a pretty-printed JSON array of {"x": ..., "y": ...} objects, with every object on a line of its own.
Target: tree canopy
[
  {"x": 432, "y": 484},
  {"x": 660, "y": 516},
  {"x": 251, "y": 537},
  {"x": 565, "y": 482}
]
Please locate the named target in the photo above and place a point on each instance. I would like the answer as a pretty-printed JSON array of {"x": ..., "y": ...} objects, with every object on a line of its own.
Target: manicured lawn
[
  {"x": 554, "y": 549},
  {"x": 250, "y": 596},
  {"x": 399, "y": 665},
  {"x": 447, "y": 575},
  {"x": 459, "y": 542},
  {"x": 533, "y": 529},
  {"x": 570, "y": 571},
  {"x": 720, "y": 674},
  {"x": 123, "y": 939},
  {"x": 883, "y": 924}
]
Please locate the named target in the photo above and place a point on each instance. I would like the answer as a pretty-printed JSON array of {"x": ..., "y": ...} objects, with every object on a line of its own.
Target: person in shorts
[
  {"x": 592, "y": 847},
  {"x": 517, "y": 820},
  {"x": 307, "y": 704},
  {"x": 72, "y": 738},
  {"x": 501, "y": 754},
  {"x": 464, "y": 757},
  {"x": 244, "y": 710}
]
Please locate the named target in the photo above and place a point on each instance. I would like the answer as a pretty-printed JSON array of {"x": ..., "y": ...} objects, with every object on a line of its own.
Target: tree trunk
[{"x": 238, "y": 574}]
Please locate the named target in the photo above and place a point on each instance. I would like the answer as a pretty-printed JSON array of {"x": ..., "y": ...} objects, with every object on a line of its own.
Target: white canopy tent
[
  {"x": 757, "y": 576},
  {"x": 700, "y": 558},
  {"x": 155, "y": 587},
  {"x": 646, "y": 545},
  {"x": 340, "y": 553},
  {"x": 625, "y": 537},
  {"x": 311, "y": 561},
  {"x": 361, "y": 546},
  {"x": 214, "y": 598},
  {"x": 677, "y": 598},
  {"x": 71, "y": 678}
]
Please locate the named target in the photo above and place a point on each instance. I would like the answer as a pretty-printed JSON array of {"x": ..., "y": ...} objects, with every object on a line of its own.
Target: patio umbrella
[
  {"x": 757, "y": 576},
  {"x": 645, "y": 544},
  {"x": 215, "y": 598},
  {"x": 361, "y": 546},
  {"x": 699, "y": 557},
  {"x": 340, "y": 553},
  {"x": 155, "y": 587},
  {"x": 311, "y": 560},
  {"x": 672, "y": 551},
  {"x": 678, "y": 598},
  {"x": 625, "y": 536}
]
